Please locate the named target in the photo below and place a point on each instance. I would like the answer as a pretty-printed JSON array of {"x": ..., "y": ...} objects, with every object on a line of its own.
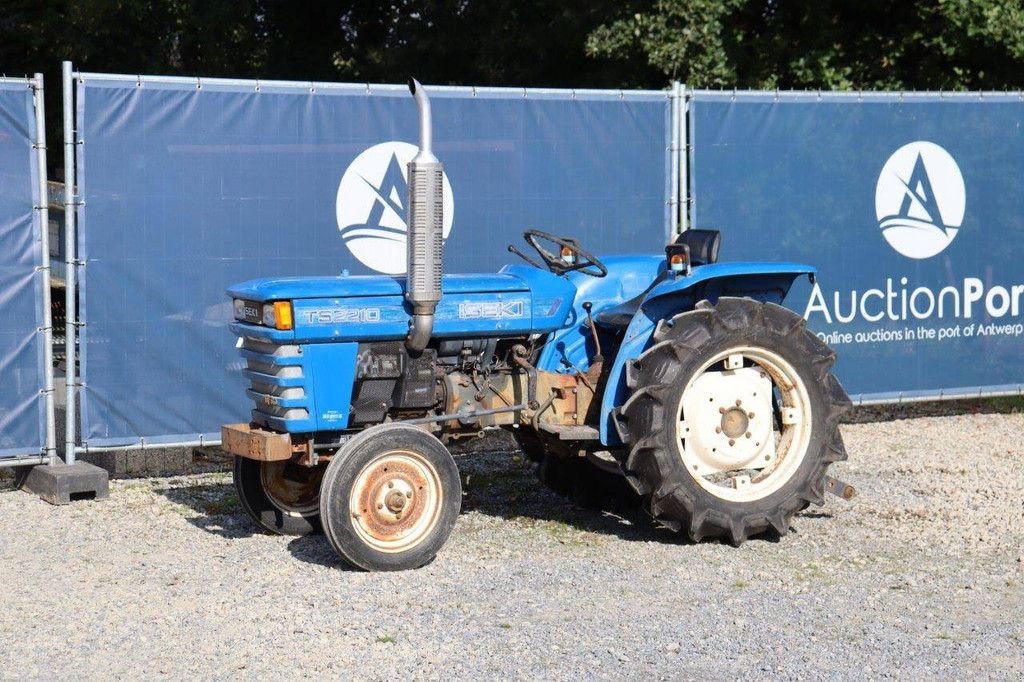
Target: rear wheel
[
  {"x": 282, "y": 497},
  {"x": 390, "y": 498},
  {"x": 733, "y": 420}
]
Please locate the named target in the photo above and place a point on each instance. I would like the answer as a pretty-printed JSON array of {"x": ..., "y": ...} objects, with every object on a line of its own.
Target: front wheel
[
  {"x": 281, "y": 497},
  {"x": 390, "y": 498},
  {"x": 734, "y": 420}
]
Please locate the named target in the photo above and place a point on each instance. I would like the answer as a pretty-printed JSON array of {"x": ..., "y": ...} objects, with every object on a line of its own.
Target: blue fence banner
[
  {"x": 22, "y": 408},
  {"x": 910, "y": 207},
  {"x": 190, "y": 186}
]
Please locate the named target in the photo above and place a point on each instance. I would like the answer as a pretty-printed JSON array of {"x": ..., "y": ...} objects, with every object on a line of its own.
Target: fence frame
[
  {"x": 73, "y": 201},
  {"x": 41, "y": 218},
  {"x": 894, "y": 397},
  {"x": 71, "y": 265},
  {"x": 680, "y": 202}
]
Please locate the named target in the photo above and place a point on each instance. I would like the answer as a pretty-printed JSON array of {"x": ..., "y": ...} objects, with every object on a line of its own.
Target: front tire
[
  {"x": 390, "y": 498},
  {"x": 281, "y": 497},
  {"x": 733, "y": 420}
]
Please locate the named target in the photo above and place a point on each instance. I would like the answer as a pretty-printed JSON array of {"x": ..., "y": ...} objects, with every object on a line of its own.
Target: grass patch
[
  {"x": 135, "y": 485},
  {"x": 559, "y": 531},
  {"x": 814, "y": 573},
  {"x": 385, "y": 639},
  {"x": 229, "y": 504},
  {"x": 1013, "y": 404}
]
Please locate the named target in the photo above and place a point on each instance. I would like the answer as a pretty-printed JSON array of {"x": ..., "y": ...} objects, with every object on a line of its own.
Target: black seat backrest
[{"x": 704, "y": 245}]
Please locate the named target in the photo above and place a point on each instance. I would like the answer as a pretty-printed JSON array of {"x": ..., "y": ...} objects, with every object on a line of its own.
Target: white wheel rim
[
  {"x": 396, "y": 501},
  {"x": 725, "y": 426}
]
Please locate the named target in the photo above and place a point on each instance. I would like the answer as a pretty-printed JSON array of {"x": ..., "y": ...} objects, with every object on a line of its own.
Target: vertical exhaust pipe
[{"x": 425, "y": 221}]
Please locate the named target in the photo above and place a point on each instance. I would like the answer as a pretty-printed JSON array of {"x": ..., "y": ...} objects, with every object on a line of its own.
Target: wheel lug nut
[
  {"x": 750, "y": 415},
  {"x": 747, "y": 434},
  {"x": 721, "y": 410},
  {"x": 380, "y": 506},
  {"x": 738, "y": 403},
  {"x": 409, "y": 494},
  {"x": 718, "y": 429},
  {"x": 732, "y": 442},
  {"x": 391, "y": 484}
]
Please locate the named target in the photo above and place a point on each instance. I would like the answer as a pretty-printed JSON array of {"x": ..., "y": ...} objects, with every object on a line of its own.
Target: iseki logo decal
[{"x": 371, "y": 208}]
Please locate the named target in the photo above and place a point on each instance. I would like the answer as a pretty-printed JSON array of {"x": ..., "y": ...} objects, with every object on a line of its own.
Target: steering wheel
[{"x": 583, "y": 261}]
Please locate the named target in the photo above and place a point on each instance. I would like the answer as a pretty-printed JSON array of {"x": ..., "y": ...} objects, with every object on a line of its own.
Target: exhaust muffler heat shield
[{"x": 425, "y": 240}]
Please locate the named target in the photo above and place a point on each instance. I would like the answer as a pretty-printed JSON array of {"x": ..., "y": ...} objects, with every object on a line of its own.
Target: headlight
[{"x": 269, "y": 320}]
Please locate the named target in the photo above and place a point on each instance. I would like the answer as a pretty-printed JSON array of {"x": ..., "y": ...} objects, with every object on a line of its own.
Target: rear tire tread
[{"x": 659, "y": 372}]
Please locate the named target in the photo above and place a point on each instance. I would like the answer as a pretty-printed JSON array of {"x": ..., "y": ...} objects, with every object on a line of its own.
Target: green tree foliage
[
  {"x": 511, "y": 42},
  {"x": 827, "y": 44},
  {"x": 949, "y": 44}
]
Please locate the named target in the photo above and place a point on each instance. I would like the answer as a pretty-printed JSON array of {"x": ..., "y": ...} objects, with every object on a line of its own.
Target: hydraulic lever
[{"x": 587, "y": 307}]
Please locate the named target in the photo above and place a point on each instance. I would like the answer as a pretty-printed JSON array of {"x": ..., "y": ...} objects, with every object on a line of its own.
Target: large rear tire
[
  {"x": 390, "y": 498},
  {"x": 281, "y": 497},
  {"x": 733, "y": 420}
]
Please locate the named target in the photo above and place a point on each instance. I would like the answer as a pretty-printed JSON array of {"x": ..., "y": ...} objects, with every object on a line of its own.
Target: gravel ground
[{"x": 920, "y": 576}]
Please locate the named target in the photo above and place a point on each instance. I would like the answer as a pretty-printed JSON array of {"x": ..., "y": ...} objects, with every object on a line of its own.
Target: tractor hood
[
  {"x": 292, "y": 288},
  {"x": 518, "y": 300}
]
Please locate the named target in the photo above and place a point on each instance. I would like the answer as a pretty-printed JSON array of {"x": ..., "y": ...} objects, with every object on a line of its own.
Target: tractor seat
[{"x": 704, "y": 246}]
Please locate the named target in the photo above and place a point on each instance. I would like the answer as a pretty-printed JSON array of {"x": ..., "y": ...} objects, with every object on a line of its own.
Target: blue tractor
[{"x": 669, "y": 378}]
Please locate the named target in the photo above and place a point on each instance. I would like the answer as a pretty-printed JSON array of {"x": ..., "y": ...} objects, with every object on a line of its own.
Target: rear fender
[{"x": 768, "y": 282}]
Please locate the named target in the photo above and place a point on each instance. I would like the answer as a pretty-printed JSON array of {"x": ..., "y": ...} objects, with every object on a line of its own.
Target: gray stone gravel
[{"x": 919, "y": 576}]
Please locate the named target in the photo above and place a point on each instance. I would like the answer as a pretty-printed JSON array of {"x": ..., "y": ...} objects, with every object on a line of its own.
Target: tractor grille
[{"x": 277, "y": 384}]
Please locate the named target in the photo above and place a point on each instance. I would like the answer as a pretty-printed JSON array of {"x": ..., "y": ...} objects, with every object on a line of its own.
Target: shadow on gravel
[
  {"x": 314, "y": 549},
  {"x": 503, "y": 484},
  {"x": 219, "y": 511},
  {"x": 497, "y": 483}
]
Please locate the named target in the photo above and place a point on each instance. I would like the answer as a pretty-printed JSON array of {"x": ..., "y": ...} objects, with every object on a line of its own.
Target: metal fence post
[
  {"x": 674, "y": 164},
  {"x": 70, "y": 277},
  {"x": 43, "y": 216},
  {"x": 684, "y": 159}
]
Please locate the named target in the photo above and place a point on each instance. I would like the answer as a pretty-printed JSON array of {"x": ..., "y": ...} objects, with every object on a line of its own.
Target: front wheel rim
[
  {"x": 726, "y": 426},
  {"x": 396, "y": 501},
  {"x": 294, "y": 491}
]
